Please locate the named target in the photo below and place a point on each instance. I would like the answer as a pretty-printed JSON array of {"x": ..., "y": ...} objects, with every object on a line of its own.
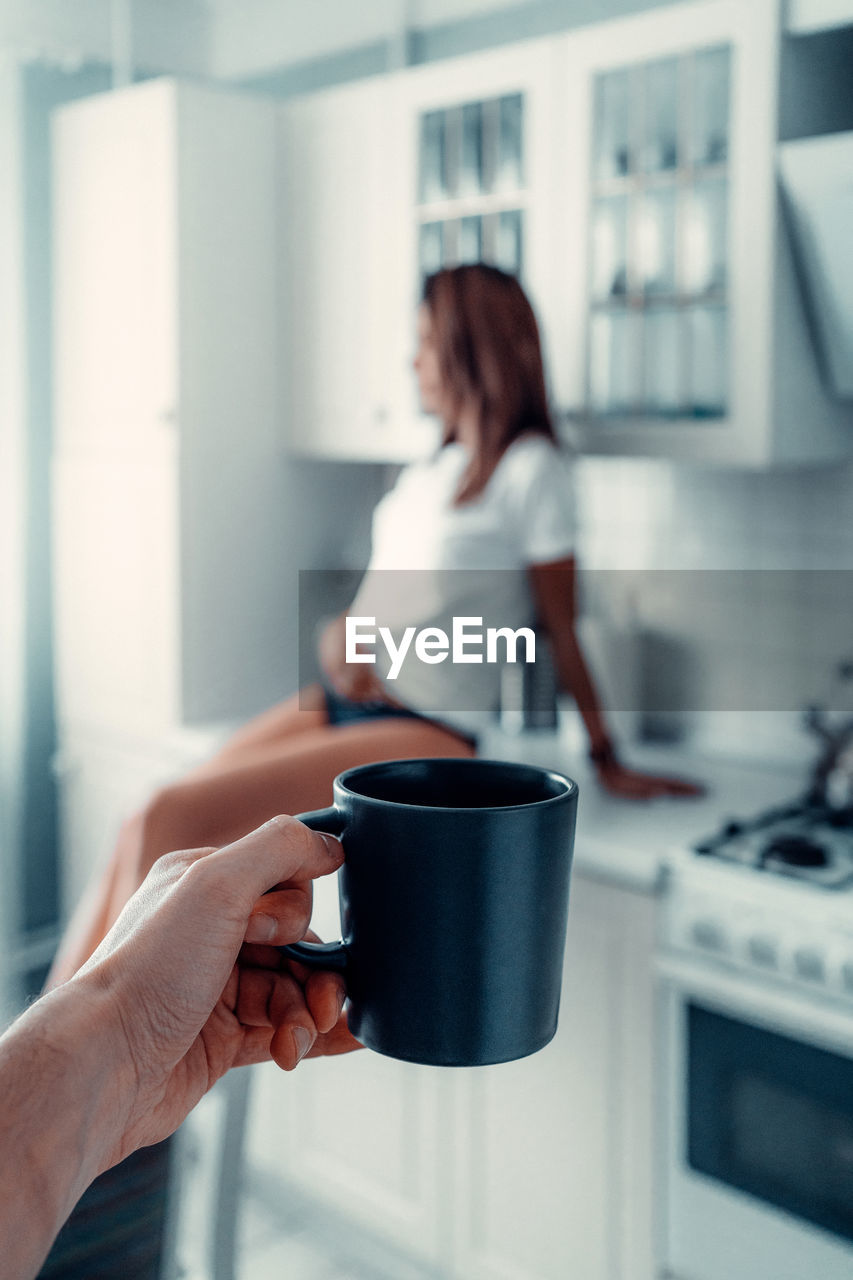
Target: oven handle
[{"x": 813, "y": 1019}]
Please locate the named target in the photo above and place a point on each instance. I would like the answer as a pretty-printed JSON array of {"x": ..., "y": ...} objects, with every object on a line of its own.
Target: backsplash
[{"x": 738, "y": 587}]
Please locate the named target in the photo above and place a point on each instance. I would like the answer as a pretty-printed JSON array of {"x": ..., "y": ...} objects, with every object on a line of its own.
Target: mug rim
[{"x": 571, "y": 786}]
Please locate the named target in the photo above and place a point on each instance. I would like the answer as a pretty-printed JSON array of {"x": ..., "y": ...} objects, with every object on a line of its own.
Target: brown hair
[{"x": 490, "y": 358}]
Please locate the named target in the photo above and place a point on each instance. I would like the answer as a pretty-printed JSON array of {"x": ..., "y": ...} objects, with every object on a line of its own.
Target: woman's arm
[{"x": 554, "y": 594}]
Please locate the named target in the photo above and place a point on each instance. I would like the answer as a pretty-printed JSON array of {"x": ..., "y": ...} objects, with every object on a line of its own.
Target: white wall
[{"x": 12, "y": 489}]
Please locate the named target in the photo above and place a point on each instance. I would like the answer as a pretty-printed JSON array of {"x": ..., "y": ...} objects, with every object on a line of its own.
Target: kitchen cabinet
[
  {"x": 476, "y": 165},
  {"x": 529, "y": 1170},
  {"x": 682, "y": 333},
  {"x": 379, "y": 183},
  {"x": 347, "y": 335},
  {"x": 167, "y": 476},
  {"x": 626, "y": 170}
]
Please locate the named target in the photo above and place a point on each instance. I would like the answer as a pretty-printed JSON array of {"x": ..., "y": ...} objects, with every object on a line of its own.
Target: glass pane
[
  {"x": 471, "y": 240},
  {"x": 432, "y": 183},
  {"x": 610, "y": 248},
  {"x": 471, "y": 166},
  {"x": 660, "y": 116},
  {"x": 614, "y": 365},
  {"x": 431, "y": 247},
  {"x": 704, "y": 237},
  {"x": 611, "y": 125},
  {"x": 509, "y": 173},
  {"x": 708, "y": 361},
  {"x": 662, "y": 361},
  {"x": 709, "y": 82},
  {"x": 654, "y": 241},
  {"x": 508, "y": 241}
]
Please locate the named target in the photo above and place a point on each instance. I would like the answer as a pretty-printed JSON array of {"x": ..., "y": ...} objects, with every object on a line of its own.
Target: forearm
[
  {"x": 63, "y": 1101},
  {"x": 574, "y": 676}
]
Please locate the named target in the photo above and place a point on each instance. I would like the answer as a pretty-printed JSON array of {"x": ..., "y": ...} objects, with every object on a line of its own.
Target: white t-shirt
[{"x": 432, "y": 561}]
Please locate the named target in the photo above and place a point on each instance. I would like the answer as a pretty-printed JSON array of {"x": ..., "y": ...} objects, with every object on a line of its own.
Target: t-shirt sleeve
[{"x": 547, "y": 509}]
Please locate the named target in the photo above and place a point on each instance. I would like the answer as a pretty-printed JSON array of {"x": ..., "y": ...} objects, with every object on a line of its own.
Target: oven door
[{"x": 757, "y": 1118}]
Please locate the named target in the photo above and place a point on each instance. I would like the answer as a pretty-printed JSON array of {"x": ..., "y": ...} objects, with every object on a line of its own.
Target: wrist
[
  {"x": 63, "y": 1106},
  {"x": 602, "y": 753}
]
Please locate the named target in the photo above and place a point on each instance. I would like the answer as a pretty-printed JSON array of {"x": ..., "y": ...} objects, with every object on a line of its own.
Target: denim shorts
[{"x": 343, "y": 710}]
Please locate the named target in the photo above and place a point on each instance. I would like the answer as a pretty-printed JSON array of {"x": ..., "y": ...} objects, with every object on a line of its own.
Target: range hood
[{"x": 817, "y": 181}]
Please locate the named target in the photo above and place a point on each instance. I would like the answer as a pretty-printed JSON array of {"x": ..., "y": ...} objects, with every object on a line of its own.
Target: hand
[
  {"x": 354, "y": 680},
  {"x": 633, "y": 785},
  {"x": 193, "y": 980}
]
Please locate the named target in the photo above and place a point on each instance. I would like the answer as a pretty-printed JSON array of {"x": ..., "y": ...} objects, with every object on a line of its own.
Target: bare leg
[
  {"x": 303, "y": 711},
  {"x": 289, "y": 775}
]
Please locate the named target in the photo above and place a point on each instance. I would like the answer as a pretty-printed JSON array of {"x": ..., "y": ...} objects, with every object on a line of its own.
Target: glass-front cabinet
[
  {"x": 471, "y": 184},
  {"x": 479, "y": 150},
  {"x": 680, "y": 330},
  {"x": 658, "y": 322}
]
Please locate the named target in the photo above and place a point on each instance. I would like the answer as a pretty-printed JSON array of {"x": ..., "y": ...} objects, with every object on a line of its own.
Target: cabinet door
[
  {"x": 554, "y": 1151},
  {"x": 667, "y": 165},
  {"x": 476, "y": 171},
  {"x": 339, "y": 259},
  {"x": 116, "y": 555},
  {"x": 115, "y": 265},
  {"x": 358, "y": 1134}
]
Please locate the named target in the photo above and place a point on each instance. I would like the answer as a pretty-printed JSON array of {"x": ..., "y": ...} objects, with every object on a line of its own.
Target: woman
[{"x": 494, "y": 497}]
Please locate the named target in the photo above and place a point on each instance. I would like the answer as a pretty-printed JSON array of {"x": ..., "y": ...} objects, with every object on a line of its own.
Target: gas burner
[
  {"x": 802, "y": 840},
  {"x": 794, "y": 851}
]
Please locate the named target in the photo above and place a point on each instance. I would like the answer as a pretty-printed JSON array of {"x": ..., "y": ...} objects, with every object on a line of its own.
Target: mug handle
[{"x": 320, "y": 955}]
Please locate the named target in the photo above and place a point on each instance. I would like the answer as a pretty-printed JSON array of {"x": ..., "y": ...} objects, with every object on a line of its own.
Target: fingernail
[
  {"x": 301, "y": 1041},
  {"x": 260, "y": 928},
  {"x": 334, "y": 846}
]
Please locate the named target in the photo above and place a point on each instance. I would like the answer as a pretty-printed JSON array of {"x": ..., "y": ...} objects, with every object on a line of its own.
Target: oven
[{"x": 756, "y": 1105}]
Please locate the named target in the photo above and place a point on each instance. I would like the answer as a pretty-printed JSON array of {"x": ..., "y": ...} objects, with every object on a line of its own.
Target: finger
[
  {"x": 325, "y": 994},
  {"x": 276, "y": 1000},
  {"x": 281, "y": 916},
  {"x": 282, "y": 850},
  {"x": 339, "y": 1040}
]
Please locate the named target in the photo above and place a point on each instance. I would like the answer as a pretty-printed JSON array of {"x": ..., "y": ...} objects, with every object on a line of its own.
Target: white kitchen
[{"x": 216, "y": 218}]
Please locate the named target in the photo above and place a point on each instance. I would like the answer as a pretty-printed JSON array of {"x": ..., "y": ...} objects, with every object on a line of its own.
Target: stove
[{"x": 804, "y": 840}]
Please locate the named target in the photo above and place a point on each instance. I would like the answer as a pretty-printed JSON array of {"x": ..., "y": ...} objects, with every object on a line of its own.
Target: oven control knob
[
  {"x": 708, "y": 935},
  {"x": 847, "y": 976},
  {"x": 763, "y": 951},
  {"x": 808, "y": 964}
]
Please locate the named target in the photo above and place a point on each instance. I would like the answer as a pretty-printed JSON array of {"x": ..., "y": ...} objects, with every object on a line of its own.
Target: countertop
[{"x": 630, "y": 841}]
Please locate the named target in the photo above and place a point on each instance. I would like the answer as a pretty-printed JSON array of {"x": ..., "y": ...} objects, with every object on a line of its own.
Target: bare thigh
[
  {"x": 289, "y": 776},
  {"x": 299, "y": 714}
]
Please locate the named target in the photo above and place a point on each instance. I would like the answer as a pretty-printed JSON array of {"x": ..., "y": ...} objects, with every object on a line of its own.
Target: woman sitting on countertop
[{"x": 495, "y": 498}]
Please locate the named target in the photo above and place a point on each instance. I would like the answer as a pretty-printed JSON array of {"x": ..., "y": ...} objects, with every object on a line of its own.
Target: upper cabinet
[
  {"x": 379, "y": 183},
  {"x": 347, "y": 330},
  {"x": 626, "y": 171},
  {"x": 682, "y": 332},
  {"x": 476, "y": 158}
]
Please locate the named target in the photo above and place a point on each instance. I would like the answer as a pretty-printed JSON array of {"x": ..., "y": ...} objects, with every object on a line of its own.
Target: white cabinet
[
  {"x": 671, "y": 314},
  {"x": 167, "y": 474},
  {"x": 380, "y": 182},
  {"x": 532, "y": 1170},
  {"x": 557, "y": 1178},
  {"x": 363, "y": 1137},
  {"x": 348, "y": 320},
  {"x": 682, "y": 332},
  {"x": 477, "y": 167}
]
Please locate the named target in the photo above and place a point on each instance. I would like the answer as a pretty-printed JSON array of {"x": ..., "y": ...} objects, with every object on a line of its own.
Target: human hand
[
  {"x": 634, "y": 785},
  {"x": 354, "y": 680},
  {"x": 192, "y": 982}
]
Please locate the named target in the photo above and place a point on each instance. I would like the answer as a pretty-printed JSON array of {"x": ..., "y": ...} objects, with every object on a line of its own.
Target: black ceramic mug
[{"x": 454, "y": 901}]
